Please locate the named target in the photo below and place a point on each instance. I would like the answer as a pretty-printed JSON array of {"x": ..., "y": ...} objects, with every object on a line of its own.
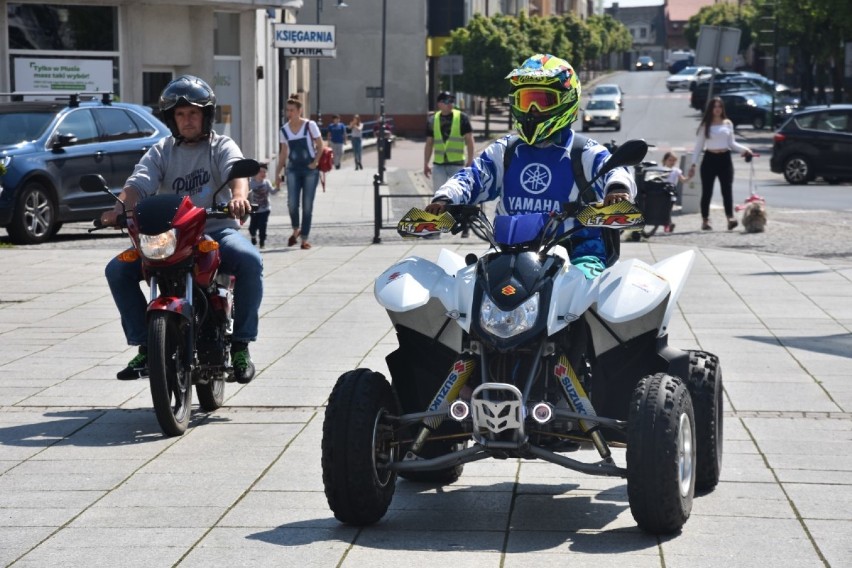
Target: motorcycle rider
[
  {"x": 545, "y": 98},
  {"x": 194, "y": 161}
]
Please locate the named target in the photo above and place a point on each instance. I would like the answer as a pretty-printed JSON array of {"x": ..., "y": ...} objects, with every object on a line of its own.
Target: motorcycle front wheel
[{"x": 171, "y": 385}]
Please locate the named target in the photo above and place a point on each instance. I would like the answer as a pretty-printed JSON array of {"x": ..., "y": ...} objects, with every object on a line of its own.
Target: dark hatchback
[
  {"x": 45, "y": 146},
  {"x": 754, "y": 108},
  {"x": 783, "y": 94},
  {"x": 815, "y": 142}
]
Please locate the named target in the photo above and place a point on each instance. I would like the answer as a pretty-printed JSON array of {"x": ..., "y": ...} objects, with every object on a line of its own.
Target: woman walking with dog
[{"x": 716, "y": 139}]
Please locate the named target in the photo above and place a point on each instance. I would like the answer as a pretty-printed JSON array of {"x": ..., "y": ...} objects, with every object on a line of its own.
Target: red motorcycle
[{"x": 190, "y": 312}]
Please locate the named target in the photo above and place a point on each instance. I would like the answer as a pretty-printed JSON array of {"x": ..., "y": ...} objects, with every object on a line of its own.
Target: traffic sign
[{"x": 374, "y": 92}]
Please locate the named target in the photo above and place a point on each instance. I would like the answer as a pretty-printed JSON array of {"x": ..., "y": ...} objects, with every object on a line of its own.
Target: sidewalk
[{"x": 86, "y": 479}]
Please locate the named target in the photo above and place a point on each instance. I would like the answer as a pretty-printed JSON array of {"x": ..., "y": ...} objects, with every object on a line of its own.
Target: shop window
[
  {"x": 64, "y": 27},
  {"x": 226, "y": 39}
]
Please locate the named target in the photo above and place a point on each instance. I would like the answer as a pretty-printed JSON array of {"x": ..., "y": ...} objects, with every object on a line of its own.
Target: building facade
[{"x": 134, "y": 48}]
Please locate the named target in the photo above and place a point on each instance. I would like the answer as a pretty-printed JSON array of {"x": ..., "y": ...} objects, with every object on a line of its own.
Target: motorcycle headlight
[
  {"x": 508, "y": 324},
  {"x": 158, "y": 247}
]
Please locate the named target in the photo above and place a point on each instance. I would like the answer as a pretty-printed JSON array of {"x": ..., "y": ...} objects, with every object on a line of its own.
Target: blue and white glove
[{"x": 590, "y": 265}]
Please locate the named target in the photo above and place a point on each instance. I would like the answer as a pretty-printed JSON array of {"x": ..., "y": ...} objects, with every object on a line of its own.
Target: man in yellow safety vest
[{"x": 449, "y": 134}]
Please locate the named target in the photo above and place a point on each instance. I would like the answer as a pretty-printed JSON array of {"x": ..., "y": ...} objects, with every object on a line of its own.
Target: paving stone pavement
[{"x": 86, "y": 478}]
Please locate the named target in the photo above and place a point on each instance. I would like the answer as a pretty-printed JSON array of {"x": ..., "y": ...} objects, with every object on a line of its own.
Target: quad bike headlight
[
  {"x": 508, "y": 324},
  {"x": 158, "y": 247}
]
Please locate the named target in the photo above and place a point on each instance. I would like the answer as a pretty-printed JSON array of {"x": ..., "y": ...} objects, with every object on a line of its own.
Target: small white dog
[{"x": 754, "y": 214}]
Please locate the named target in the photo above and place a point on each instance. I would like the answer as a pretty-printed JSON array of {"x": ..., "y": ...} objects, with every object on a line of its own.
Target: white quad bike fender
[
  {"x": 631, "y": 296},
  {"x": 419, "y": 294}
]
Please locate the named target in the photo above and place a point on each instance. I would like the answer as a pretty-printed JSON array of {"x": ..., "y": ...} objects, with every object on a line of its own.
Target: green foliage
[
  {"x": 492, "y": 47},
  {"x": 488, "y": 57},
  {"x": 726, "y": 15}
]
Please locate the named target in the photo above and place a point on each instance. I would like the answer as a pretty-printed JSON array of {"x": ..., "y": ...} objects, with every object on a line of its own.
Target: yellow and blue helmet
[{"x": 544, "y": 96}]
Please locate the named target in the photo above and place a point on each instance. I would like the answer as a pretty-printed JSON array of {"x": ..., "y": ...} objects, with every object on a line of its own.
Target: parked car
[
  {"x": 45, "y": 146},
  {"x": 783, "y": 94},
  {"x": 645, "y": 62},
  {"x": 815, "y": 142},
  {"x": 687, "y": 78},
  {"x": 601, "y": 113},
  {"x": 754, "y": 108},
  {"x": 609, "y": 91}
]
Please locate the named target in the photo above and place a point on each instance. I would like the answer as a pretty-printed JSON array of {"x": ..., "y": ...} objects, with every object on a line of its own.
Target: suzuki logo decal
[{"x": 508, "y": 290}]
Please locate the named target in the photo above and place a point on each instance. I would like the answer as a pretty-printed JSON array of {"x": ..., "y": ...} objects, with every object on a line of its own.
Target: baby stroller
[
  {"x": 754, "y": 207},
  {"x": 655, "y": 196}
]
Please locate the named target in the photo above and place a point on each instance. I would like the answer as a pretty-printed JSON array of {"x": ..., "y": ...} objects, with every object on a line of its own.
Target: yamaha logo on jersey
[{"x": 535, "y": 178}]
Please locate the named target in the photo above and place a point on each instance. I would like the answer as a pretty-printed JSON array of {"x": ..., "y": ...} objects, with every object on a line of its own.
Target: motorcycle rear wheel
[
  {"x": 171, "y": 386},
  {"x": 356, "y": 440},
  {"x": 661, "y": 454},
  {"x": 211, "y": 395},
  {"x": 705, "y": 386}
]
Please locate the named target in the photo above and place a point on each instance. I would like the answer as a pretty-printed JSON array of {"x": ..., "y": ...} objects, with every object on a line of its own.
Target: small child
[
  {"x": 675, "y": 177},
  {"x": 259, "y": 191}
]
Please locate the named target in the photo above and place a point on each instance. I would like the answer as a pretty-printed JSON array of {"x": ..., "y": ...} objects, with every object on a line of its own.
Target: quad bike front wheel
[
  {"x": 171, "y": 384},
  {"x": 705, "y": 385},
  {"x": 661, "y": 454},
  {"x": 358, "y": 440}
]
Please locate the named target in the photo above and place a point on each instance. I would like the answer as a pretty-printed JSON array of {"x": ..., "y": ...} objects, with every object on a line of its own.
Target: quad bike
[
  {"x": 189, "y": 314},
  {"x": 517, "y": 354}
]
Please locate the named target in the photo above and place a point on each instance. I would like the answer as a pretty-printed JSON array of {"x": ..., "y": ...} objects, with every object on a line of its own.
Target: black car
[
  {"x": 45, "y": 146},
  {"x": 754, "y": 108},
  {"x": 645, "y": 62},
  {"x": 816, "y": 141},
  {"x": 698, "y": 99}
]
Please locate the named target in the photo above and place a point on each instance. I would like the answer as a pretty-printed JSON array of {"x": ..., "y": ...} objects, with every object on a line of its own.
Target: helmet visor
[
  {"x": 190, "y": 91},
  {"x": 542, "y": 98}
]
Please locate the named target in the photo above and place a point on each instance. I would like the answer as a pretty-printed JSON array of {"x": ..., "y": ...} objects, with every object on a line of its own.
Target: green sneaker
[
  {"x": 135, "y": 369},
  {"x": 243, "y": 367}
]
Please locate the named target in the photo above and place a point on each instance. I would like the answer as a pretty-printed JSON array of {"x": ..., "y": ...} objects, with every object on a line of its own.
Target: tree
[
  {"x": 488, "y": 56},
  {"x": 725, "y": 15}
]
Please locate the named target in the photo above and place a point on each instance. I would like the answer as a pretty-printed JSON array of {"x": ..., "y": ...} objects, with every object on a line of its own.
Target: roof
[{"x": 682, "y": 10}]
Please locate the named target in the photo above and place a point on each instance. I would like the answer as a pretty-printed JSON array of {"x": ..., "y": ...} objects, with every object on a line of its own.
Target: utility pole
[{"x": 769, "y": 25}]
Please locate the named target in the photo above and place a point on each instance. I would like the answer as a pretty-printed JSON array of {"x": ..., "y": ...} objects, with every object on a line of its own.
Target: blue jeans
[
  {"x": 302, "y": 185},
  {"x": 239, "y": 258},
  {"x": 356, "y": 149}
]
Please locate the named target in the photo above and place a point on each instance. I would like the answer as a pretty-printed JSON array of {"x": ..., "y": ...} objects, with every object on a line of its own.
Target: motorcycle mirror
[
  {"x": 93, "y": 183},
  {"x": 630, "y": 153},
  {"x": 244, "y": 168}
]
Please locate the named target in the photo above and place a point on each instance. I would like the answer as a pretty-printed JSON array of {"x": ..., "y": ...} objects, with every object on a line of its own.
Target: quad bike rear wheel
[
  {"x": 705, "y": 386},
  {"x": 661, "y": 454},
  {"x": 171, "y": 384},
  {"x": 444, "y": 476},
  {"x": 357, "y": 441}
]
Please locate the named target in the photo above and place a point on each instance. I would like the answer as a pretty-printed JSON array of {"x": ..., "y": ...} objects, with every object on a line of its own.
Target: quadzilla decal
[{"x": 419, "y": 223}]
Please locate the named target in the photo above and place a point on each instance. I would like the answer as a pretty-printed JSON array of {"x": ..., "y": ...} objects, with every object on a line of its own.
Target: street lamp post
[
  {"x": 340, "y": 4},
  {"x": 379, "y": 178}
]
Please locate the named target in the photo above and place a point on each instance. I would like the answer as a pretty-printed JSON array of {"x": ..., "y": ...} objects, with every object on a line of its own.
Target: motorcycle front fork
[{"x": 189, "y": 337}]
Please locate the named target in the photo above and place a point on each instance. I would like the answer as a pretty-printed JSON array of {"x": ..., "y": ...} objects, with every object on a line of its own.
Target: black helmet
[{"x": 187, "y": 90}]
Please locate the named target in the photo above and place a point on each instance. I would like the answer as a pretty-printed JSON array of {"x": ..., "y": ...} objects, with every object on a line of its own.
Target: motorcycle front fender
[{"x": 171, "y": 304}]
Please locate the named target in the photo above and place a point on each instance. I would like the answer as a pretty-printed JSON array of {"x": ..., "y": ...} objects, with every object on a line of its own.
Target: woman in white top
[{"x": 716, "y": 138}]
